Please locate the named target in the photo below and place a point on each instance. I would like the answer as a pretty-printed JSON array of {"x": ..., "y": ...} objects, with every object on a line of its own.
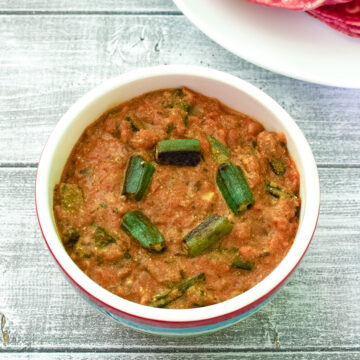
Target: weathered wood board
[
  {"x": 318, "y": 309},
  {"x": 112, "y": 6},
  {"x": 48, "y": 61},
  {"x": 51, "y": 53},
  {"x": 277, "y": 355}
]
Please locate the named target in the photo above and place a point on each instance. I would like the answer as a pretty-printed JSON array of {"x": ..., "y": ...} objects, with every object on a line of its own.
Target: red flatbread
[
  {"x": 304, "y": 5},
  {"x": 341, "y": 17}
]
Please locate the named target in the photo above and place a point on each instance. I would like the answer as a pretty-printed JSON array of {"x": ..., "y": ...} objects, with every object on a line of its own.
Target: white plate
[{"x": 288, "y": 42}]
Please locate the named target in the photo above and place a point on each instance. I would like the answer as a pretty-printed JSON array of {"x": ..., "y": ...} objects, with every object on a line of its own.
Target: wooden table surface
[{"x": 51, "y": 53}]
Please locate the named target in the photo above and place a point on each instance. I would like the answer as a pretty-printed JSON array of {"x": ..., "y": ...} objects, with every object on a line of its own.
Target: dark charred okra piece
[
  {"x": 102, "y": 237},
  {"x": 277, "y": 191},
  {"x": 240, "y": 263},
  {"x": 138, "y": 226},
  {"x": 137, "y": 178},
  {"x": 278, "y": 166},
  {"x": 186, "y": 152},
  {"x": 211, "y": 230},
  {"x": 163, "y": 299},
  {"x": 234, "y": 188},
  {"x": 219, "y": 151}
]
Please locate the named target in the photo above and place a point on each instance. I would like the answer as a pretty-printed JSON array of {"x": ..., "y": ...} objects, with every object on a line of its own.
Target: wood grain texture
[
  {"x": 318, "y": 310},
  {"x": 48, "y": 62},
  {"x": 86, "y": 5},
  {"x": 180, "y": 355},
  {"x": 52, "y": 52}
]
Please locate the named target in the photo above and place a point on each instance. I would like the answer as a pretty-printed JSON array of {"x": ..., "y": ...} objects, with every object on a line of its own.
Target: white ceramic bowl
[{"x": 233, "y": 92}]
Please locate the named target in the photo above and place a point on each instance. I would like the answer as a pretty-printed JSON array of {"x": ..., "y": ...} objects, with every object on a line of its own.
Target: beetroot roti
[
  {"x": 341, "y": 17},
  {"x": 304, "y": 5}
]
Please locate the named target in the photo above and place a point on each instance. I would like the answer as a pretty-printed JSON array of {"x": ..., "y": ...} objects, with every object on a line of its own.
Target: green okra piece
[
  {"x": 138, "y": 226},
  {"x": 219, "y": 151},
  {"x": 186, "y": 152},
  {"x": 234, "y": 188},
  {"x": 137, "y": 178},
  {"x": 276, "y": 191},
  {"x": 278, "y": 166},
  {"x": 167, "y": 297},
  {"x": 207, "y": 233},
  {"x": 240, "y": 263}
]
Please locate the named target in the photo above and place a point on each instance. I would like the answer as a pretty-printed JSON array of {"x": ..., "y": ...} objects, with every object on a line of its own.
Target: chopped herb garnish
[
  {"x": 179, "y": 92},
  {"x": 103, "y": 205},
  {"x": 103, "y": 238},
  {"x": 277, "y": 191},
  {"x": 133, "y": 127},
  {"x": 85, "y": 171},
  {"x": 70, "y": 238},
  {"x": 170, "y": 128},
  {"x": 278, "y": 166},
  {"x": 127, "y": 254},
  {"x": 185, "y": 107},
  {"x": 186, "y": 120},
  {"x": 71, "y": 196}
]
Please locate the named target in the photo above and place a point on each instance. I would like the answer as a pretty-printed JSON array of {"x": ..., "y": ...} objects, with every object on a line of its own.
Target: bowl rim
[{"x": 245, "y": 301}]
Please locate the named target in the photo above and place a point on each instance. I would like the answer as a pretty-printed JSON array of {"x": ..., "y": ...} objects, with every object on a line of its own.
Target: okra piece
[
  {"x": 186, "y": 152},
  {"x": 219, "y": 151},
  {"x": 211, "y": 230},
  {"x": 234, "y": 188},
  {"x": 138, "y": 226},
  {"x": 71, "y": 196},
  {"x": 102, "y": 238},
  {"x": 163, "y": 299},
  {"x": 240, "y": 263},
  {"x": 277, "y": 191},
  {"x": 137, "y": 178},
  {"x": 278, "y": 166}
]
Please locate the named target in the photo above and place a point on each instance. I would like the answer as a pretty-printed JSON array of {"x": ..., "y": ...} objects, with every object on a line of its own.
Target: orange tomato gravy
[{"x": 178, "y": 199}]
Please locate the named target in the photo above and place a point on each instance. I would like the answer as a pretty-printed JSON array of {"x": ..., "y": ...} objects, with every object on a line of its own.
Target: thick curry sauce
[{"x": 89, "y": 204}]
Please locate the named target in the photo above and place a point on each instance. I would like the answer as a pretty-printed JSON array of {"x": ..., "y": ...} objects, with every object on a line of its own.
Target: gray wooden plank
[
  {"x": 199, "y": 356},
  {"x": 47, "y": 62},
  {"x": 317, "y": 310},
  {"x": 87, "y": 5}
]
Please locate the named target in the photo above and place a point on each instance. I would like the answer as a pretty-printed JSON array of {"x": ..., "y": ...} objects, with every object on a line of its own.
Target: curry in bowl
[{"x": 174, "y": 200}]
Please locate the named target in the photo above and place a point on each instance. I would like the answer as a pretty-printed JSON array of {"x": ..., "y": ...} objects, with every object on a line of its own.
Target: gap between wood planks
[
  {"x": 175, "y": 350},
  {"x": 92, "y": 12}
]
